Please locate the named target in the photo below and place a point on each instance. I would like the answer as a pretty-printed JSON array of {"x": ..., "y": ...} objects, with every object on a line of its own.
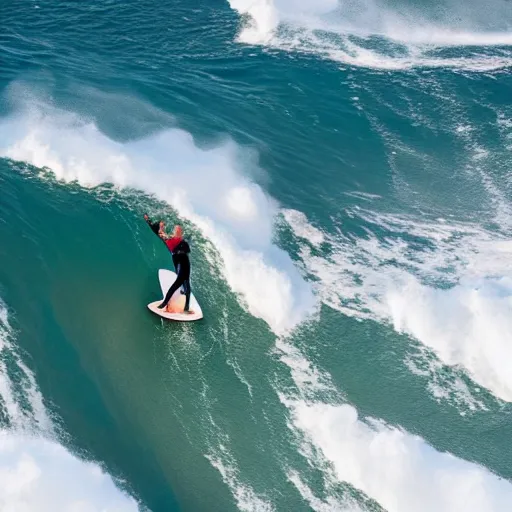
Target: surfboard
[{"x": 177, "y": 302}]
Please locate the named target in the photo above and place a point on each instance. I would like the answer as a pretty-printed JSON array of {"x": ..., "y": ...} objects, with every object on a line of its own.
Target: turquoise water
[{"x": 341, "y": 170}]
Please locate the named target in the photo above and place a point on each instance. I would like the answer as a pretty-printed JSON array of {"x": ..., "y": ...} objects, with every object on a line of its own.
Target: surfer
[{"x": 179, "y": 249}]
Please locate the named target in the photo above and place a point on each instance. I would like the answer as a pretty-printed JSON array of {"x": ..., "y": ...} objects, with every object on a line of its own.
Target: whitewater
[{"x": 346, "y": 31}]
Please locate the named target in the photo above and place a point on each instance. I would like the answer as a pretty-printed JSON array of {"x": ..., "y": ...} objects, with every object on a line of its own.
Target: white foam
[
  {"x": 362, "y": 57},
  {"x": 203, "y": 185},
  {"x": 308, "y": 379},
  {"x": 365, "y": 196},
  {"x": 400, "y": 471},
  {"x": 263, "y": 19},
  {"x": 301, "y": 226},
  {"x": 468, "y": 325},
  {"x": 38, "y": 474},
  {"x": 341, "y": 31},
  {"x": 331, "y": 504}
]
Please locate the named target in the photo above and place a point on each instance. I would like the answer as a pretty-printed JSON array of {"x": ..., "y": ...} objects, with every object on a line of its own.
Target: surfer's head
[{"x": 178, "y": 231}]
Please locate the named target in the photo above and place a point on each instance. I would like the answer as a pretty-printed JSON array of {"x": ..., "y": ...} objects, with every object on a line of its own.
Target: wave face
[
  {"x": 38, "y": 473},
  {"x": 342, "y": 173}
]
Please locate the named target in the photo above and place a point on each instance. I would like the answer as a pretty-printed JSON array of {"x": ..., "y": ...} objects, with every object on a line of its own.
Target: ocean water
[{"x": 342, "y": 172}]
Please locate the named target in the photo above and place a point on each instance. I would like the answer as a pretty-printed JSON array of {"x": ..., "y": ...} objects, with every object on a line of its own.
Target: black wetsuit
[
  {"x": 182, "y": 265},
  {"x": 155, "y": 226}
]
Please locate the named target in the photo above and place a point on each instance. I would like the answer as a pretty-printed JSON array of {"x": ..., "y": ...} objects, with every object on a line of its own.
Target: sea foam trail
[
  {"x": 33, "y": 414},
  {"x": 36, "y": 472},
  {"x": 331, "y": 504},
  {"x": 341, "y": 31},
  {"x": 246, "y": 498},
  {"x": 223, "y": 460},
  {"x": 400, "y": 471},
  {"x": 204, "y": 186},
  {"x": 453, "y": 292}
]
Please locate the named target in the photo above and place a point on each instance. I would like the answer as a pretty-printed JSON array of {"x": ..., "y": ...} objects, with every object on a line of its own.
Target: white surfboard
[{"x": 177, "y": 302}]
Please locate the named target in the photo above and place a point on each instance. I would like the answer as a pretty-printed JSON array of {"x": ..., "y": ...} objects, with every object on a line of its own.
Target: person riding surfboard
[{"x": 179, "y": 249}]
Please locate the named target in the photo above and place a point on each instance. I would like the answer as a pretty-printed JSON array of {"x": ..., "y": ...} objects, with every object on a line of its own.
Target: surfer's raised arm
[
  {"x": 157, "y": 227},
  {"x": 153, "y": 225}
]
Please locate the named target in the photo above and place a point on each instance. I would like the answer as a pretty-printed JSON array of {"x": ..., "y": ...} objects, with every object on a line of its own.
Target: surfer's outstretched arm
[{"x": 157, "y": 227}]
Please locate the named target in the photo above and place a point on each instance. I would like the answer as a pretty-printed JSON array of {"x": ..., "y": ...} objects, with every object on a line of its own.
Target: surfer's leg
[
  {"x": 170, "y": 292},
  {"x": 177, "y": 268},
  {"x": 186, "y": 288}
]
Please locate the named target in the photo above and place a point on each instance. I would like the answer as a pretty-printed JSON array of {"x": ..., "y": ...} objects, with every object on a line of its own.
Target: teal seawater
[{"x": 344, "y": 181}]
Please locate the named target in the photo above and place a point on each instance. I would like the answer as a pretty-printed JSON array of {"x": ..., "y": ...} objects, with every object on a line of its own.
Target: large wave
[
  {"x": 382, "y": 34},
  {"x": 203, "y": 185}
]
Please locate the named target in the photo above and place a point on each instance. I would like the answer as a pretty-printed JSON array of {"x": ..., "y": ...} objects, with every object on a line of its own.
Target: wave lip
[
  {"x": 262, "y": 22},
  {"x": 366, "y": 33}
]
